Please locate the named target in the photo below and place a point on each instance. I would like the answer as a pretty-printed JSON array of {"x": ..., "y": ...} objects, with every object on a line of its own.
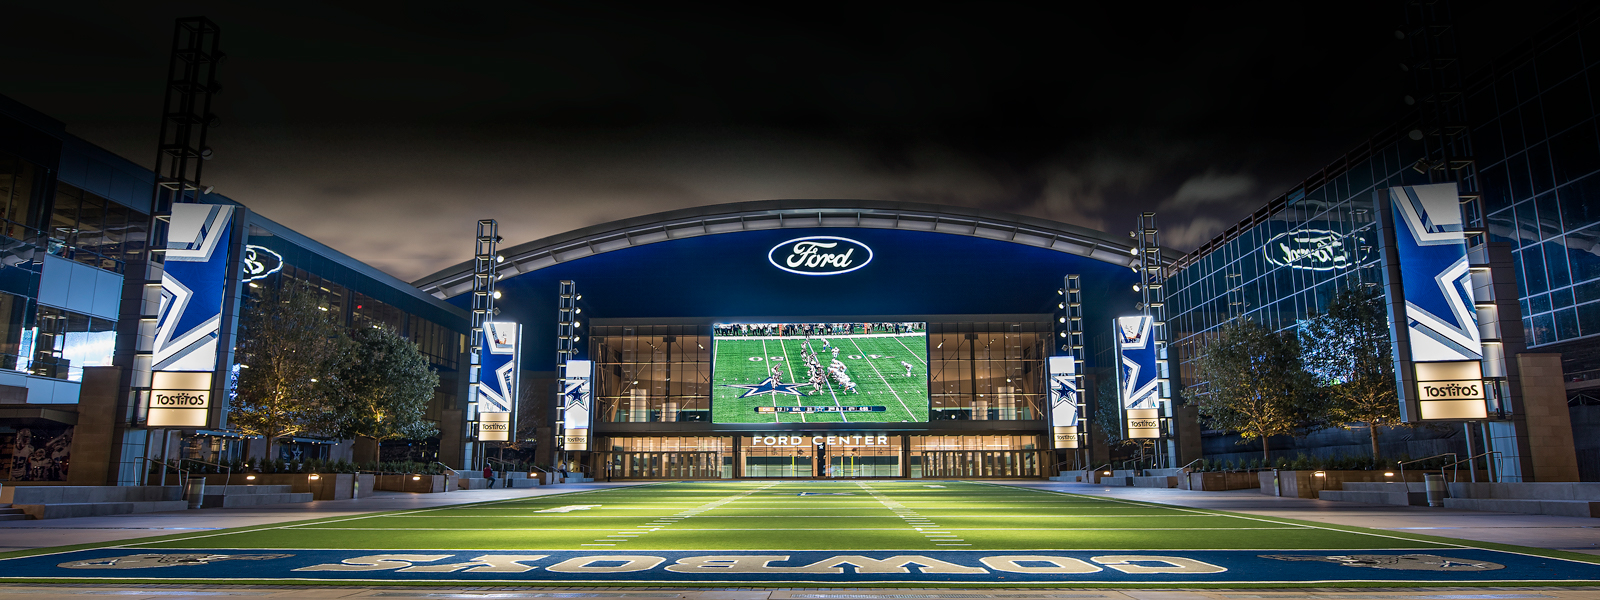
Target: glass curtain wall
[
  {"x": 1288, "y": 267},
  {"x": 652, "y": 373},
  {"x": 986, "y": 371},
  {"x": 1538, "y": 152}
]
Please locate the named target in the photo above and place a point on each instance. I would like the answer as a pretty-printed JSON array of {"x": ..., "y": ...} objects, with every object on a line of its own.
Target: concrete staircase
[
  {"x": 238, "y": 496},
  {"x": 1559, "y": 499},
  {"x": 11, "y": 514},
  {"x": 1394, "y": 494},
  {"x": 65, "y": 501}
]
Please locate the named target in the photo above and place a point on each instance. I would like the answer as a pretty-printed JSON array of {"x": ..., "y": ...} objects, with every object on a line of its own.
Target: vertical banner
[
  {"x": 189, "y": 320},
  {"x": 1064, "y": 402},
  {"x": 577, "y": 398},
  {"x": 1137, "y": 379},
  {"x": 497, "y": 385},
  {"x": 1438, "y": 352}
]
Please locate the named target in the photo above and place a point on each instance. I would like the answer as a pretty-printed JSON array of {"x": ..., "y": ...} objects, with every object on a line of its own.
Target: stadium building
[
  {"x": 685, "y": 312},
  {"x": 1524, "y": 152}
]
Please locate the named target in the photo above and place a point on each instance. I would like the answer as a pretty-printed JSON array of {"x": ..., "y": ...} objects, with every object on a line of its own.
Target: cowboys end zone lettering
[
  {"x": 1465, "y": 565},
  {"x": 820, "y": 255}
]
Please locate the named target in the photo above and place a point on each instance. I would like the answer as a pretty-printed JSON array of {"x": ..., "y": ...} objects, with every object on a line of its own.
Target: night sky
[{"x": 387, "y": 132}]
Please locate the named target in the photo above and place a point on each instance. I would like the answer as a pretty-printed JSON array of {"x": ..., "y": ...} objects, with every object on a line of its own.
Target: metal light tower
[
  {"x": 186, "y": 118},
  {"x": 1152, "y": 303},
  {"x": 485, "y": 264}
]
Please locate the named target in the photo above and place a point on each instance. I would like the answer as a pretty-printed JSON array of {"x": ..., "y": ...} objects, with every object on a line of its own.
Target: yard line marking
[
  {"x": 1264, "y": 520},
  {"x": 303, "y": 525},
  {"x": 798, "y": 401},
  {"x": 773, "y": 397},
  {"x": 881, "y": 377},
  {"x": 913, "y": 352}
]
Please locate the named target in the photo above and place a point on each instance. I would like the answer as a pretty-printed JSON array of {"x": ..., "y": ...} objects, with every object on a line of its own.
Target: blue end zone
[{"x": 708, "y": 567}]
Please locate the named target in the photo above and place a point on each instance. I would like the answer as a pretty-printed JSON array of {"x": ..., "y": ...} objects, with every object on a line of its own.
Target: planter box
[
  {"x": 1220, "y": 481},
  {"x": 1306, "y": 484},
  {"x": 417, "y": 484},
  {"x": 327, "y": 486}
]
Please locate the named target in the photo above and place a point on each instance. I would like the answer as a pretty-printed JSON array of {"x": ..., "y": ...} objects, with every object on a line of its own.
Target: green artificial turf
[
  {"x": 912, "y": 515},
  {"x": 764, "y": 515},
  {"x": 872, "y": 362}
]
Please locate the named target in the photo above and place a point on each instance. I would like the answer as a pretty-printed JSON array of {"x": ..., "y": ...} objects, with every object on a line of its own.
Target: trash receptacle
[
  {"x": 1435, "y": 486},
  {"x": 196, "y": 491}
]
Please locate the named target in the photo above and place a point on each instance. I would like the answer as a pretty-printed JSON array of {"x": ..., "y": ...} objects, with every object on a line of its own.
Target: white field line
[
  {"x": 1261, "y": 519},
  {"x": 358, "y": 517},
  {"x": 773, "y": 397},
  {"x": 943, "y": 529},
  {"x": 788, "y": 364},
  {"x": 886, "y": 383},
  {"x": 570, "y": 516},
  {"x": 914, "y": 352}
]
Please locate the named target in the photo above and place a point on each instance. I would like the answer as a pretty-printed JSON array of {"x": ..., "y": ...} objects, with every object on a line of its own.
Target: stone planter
[
  {"x": 1220, "y": 481},
  {"x": 327, "y": 486},
  {"x": 417, "y": 484},
  {"x": 1306, "y": 484}
]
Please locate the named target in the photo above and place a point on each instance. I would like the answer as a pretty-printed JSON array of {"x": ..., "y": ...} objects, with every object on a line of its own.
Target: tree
[
  {"x": 384, "y": 387},
  {"x": 1347, "y": 349},
  {"x": 1254, "y": 383},
  {"x": 290, "y": 350}
]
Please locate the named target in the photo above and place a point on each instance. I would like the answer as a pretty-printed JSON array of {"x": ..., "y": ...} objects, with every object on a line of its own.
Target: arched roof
[{"x": 793, "y": 214}]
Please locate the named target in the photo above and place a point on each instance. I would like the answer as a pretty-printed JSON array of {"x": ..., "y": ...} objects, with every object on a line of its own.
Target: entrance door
[{"x": 780, "y": 462}]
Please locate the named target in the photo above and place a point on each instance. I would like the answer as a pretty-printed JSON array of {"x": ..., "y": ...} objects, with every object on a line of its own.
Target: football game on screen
[{"x": 862, "y": 372}]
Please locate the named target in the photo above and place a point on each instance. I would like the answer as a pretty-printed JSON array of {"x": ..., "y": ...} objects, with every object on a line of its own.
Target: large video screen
[{"x": 820, "y": 373}]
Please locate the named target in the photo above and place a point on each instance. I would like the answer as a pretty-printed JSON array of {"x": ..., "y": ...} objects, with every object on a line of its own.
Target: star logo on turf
[{"x": 770, "y": 386}]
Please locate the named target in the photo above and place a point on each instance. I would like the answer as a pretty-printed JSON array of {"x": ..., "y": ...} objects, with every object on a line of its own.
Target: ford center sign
[{"x": 820, "y": 255}]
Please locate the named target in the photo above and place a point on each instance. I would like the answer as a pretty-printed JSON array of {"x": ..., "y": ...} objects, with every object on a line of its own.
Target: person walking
[{"x": 488, "y": 473}]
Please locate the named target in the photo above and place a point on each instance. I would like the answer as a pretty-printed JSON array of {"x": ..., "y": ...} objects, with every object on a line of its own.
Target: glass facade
[
  {"x": 984, "y": 371},
  {"x": 93, "y": 230},
  {"x": 357, "y": 301},
  {"x": 840, "y": 455},
  {"x": 1534, "y": 134},
  {"x": 652, "y": 373},
  {"x": 1537, "y": 147}
]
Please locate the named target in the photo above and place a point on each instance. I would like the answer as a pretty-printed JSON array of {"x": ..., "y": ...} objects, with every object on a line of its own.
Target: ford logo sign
[{"x": 820, "y": 255}]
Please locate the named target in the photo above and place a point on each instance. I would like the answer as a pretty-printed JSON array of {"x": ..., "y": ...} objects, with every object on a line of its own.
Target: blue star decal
[
  {"x": 1065, "y": 391},
  {"x": 576, "y": 393},
  {"x": 770, "y": 386}
]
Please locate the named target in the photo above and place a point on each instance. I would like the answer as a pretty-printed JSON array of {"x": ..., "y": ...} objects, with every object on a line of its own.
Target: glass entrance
[
  {"x": 779, "y": 462},
  {"x": 862, "y": 461},
  {"x": 661, "y": 465}
]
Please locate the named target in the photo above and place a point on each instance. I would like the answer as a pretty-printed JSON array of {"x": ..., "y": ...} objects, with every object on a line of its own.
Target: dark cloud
[{"x": 387, "y": 130}]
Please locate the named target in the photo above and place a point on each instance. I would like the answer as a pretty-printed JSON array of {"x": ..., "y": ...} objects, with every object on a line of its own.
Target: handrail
[
  {"x": 1185, "y": 468},
  {"x": 1402, "y": 465},
  {"x": 448, "y": 468},
  {"x": 1469, "y": 459},
  {"x": 225, "y": 481},
  {"x": 183, "y": 474}
]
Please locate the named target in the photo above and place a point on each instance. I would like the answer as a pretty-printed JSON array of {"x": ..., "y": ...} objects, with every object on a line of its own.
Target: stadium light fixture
[
  {"x": 497, "y": 294},
  {"x": 1135, "y": 287}
]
